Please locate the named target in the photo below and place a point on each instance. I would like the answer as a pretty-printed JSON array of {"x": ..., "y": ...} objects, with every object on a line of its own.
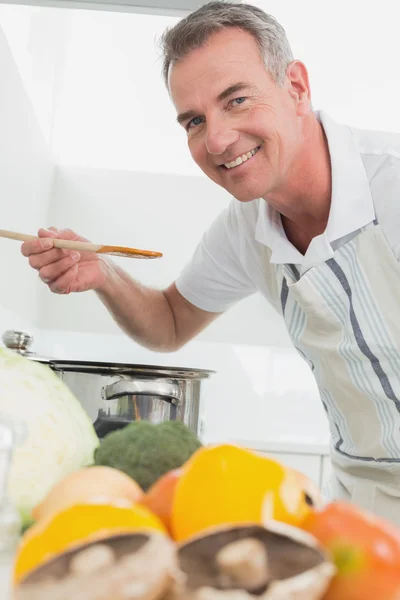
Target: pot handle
[{"x": 165, "y": 389}]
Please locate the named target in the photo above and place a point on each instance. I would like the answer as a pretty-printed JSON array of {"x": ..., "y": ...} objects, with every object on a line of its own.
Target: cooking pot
[{"x": 115, "y": 394}]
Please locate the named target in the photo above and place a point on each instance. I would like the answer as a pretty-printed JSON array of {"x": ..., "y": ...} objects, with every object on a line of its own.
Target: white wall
[
  {"x": 114, "y": 111},
  {"x": 37, "y": 38},
  {"x": 25, "y": 179},
  {"x": 351, "y": 49}
]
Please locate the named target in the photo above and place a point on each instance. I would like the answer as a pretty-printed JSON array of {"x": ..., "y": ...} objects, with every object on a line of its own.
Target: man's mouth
[{"x": 241, "y": 159}]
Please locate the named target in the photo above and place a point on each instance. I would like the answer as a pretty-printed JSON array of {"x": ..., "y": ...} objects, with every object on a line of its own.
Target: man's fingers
[
  {"x": 45, "y": 243},
  {"x": 51, "y": 232},
  {"x": 52, "y": 272},
  {"x": 63, "y": 284},
  {"x": 63, "y": 234},
  {"x": 37, "y": 261},
  {"x": 36, "y": 246}
]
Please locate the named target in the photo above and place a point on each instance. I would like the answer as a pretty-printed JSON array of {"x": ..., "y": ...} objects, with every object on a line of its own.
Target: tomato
[{"x": 364, "y": 548}]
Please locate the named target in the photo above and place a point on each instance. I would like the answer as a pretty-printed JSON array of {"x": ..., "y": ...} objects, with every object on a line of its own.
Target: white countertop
[{"x": 290, "y": 445}]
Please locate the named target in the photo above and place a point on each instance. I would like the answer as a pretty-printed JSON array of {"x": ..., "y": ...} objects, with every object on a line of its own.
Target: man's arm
[{"x": 161, "y": 320}]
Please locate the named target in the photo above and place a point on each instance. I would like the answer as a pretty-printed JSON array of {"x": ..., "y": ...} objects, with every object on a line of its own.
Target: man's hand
[{"x": 64, "y": 271}]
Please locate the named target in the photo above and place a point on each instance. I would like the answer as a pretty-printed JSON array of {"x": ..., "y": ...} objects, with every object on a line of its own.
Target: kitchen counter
[{"x": 291, "y": 445}]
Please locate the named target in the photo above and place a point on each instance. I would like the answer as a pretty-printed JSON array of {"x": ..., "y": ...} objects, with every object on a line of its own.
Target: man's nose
[{"x": 219, "y": 137}]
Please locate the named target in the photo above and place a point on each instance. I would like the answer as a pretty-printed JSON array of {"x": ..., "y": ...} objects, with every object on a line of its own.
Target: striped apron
[{"x": 343, "y": 317}]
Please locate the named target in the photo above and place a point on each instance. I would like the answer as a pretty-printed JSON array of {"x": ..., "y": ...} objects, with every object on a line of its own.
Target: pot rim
[{"x": 108, "y": 368}]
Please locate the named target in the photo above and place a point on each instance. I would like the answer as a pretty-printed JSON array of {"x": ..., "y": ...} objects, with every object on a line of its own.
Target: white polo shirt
[{"x": 228, "y": 265}]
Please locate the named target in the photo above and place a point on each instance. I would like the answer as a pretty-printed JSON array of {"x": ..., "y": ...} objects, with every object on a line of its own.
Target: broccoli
[{"x": 146, "y": 451}]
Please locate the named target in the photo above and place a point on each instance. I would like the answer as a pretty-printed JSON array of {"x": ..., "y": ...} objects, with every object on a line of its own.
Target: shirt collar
[{"x": 351, "y": 205}]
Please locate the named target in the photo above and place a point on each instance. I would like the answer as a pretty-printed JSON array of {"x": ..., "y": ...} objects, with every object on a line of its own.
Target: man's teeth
[{"x": 240, "y": 159}]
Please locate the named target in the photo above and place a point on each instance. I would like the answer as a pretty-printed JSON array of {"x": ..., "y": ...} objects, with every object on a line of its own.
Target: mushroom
[
  {"x": 92, "y": 559},
  {"x": 139, "y": 566},
  {"x": 244, "y": 562}
]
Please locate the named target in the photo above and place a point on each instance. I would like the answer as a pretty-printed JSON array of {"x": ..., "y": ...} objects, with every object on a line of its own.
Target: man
[{"x": 313, "y": 226}]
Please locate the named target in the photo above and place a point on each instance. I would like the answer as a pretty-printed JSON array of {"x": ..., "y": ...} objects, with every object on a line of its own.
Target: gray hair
[{"x": 193, "y": 31}]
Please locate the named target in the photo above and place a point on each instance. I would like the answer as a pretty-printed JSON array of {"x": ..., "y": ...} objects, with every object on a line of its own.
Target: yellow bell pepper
[{"x": 225, "y": 484}]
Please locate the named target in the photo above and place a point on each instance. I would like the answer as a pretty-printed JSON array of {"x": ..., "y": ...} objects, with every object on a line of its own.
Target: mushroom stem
[
  {"x": 92, "y": 559},
  {"x": 243, "y": 564}
]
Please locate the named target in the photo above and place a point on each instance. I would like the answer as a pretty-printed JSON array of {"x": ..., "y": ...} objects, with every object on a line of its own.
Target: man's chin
[
  {"x": 243, "y": 196},
  {"x": 239, "y": 192}
]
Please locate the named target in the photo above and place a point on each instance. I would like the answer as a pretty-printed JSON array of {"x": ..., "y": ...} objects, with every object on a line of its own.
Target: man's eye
[
  {"x": 195, "y": 122},
  {"x": 238, "y": 100}
]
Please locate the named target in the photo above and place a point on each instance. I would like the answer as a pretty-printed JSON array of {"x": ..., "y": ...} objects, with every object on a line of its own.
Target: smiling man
[
  {"x": 313, "y": 226},
  {"x": 232, "y": 110}
]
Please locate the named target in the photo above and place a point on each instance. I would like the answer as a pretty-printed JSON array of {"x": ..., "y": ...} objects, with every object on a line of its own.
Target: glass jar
[{"x": 12, "y": 434}]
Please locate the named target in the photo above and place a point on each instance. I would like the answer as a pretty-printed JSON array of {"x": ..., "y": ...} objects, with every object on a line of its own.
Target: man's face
[{"x": 231, "y": 107}]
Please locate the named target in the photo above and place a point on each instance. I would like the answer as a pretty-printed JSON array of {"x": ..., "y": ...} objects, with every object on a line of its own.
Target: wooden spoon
[{"x": 85, "y": 246}]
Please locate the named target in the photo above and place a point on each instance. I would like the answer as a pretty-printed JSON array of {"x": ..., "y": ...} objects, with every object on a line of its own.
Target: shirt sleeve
[
  {"x": 385, "y": 187},
  {"x": 215, "y": 278}
]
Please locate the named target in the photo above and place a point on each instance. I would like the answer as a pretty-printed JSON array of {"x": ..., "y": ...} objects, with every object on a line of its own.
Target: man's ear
[{"x": 299, "y": 86}]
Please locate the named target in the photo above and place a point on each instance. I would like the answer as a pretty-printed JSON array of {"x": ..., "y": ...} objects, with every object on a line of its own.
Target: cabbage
[{"x": 60, "y": 437}]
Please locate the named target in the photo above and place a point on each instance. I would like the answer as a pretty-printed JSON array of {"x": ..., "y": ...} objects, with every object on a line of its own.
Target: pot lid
[
  {"x": 126, "y": 368},
  {"x": 20, "y": 341}
]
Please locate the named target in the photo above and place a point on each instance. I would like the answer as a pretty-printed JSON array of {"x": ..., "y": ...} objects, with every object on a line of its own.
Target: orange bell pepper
[
  {"x": 364, "y": 548},
  {"x": 160, "y": 497}
]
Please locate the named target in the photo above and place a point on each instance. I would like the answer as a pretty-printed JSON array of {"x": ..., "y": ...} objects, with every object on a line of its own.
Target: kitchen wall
[{"x": 29, "y": 50}]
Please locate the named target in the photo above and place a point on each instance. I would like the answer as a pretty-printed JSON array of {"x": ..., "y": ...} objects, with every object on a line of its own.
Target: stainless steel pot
[{"x": 115, "y": 394}]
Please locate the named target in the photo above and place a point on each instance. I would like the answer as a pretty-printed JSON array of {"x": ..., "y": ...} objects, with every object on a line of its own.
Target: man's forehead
[
  {"x": 228, "y": 50},
  {"x": 189, "y": 90}
]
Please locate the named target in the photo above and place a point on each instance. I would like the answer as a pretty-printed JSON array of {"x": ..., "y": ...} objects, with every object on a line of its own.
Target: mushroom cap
[
  {"x": 143, "y": 562},
  {"x": 296, "y": 563}
]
